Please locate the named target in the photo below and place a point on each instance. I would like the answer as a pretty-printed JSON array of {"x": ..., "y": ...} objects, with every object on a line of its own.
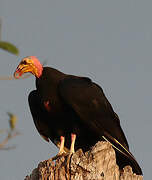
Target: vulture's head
[{"x": 29, "y": 64}]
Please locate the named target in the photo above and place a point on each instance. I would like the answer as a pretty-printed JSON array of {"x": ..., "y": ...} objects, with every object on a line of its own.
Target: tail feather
[{"x": 124, "y": 156}]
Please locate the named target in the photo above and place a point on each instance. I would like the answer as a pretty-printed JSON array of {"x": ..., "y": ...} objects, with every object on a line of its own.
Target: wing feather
[
  {"x": 38, "y": 115},
  {"x": 89, "y": 102}
]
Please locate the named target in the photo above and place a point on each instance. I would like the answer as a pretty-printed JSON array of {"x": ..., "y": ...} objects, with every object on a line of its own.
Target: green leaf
[{"x": 9, "y": 47}]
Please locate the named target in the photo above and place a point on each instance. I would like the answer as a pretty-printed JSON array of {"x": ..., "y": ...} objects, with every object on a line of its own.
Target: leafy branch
[
  {"x": 7, "y": 46},
  {"x": 11, "y": 132}
]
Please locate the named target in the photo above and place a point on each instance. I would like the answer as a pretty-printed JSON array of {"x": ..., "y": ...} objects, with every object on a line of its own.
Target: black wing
[
  {"x": 42, "y": 119},
  {"x": 39, "y": 115},
  {"x": 89, "y": 102}
]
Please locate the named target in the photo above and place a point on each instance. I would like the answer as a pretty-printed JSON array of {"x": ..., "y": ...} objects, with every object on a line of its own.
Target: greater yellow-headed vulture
[{"x": 73, "y": 112}]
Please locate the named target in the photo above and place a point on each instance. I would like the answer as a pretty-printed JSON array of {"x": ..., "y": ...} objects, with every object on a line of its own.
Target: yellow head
[{"x": 29, "y": 64}]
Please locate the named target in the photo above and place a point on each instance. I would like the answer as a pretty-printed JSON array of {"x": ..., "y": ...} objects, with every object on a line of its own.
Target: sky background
[{"x": 108, "y": 41}]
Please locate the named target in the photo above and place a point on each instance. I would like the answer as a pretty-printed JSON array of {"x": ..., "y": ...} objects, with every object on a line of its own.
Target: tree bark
[{"x": 97, "y": 164}]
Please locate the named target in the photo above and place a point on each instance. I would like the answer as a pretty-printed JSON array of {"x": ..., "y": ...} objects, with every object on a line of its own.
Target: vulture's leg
[
  {"x": 63, "y": 151},
  {"x": 61, "y": 148},
  {"x": 73, "y": 138}
]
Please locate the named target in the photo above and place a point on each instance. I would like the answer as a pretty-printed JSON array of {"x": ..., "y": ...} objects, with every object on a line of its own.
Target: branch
[{"x": 97, "y": 164}]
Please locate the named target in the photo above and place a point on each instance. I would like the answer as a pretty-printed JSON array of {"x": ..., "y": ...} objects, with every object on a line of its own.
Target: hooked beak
[{"x": 20, "y": 70}]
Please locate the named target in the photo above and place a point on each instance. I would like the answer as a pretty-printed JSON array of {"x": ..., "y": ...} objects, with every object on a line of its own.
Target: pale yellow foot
[
  {"x": 61, "y": 148},
  {"x": 63, "y": 151},
  {"x": 73, "y": 138}
]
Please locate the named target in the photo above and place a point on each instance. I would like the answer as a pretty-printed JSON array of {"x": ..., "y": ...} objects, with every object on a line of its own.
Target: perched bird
[{"x": 65, "y": 106}]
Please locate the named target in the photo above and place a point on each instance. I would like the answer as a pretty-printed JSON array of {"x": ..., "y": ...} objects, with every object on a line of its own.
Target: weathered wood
[{"x": 97, "y": 164}]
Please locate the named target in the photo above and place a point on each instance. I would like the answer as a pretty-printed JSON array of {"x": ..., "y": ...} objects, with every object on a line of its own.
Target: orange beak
[{"x": 19, "y": 71}]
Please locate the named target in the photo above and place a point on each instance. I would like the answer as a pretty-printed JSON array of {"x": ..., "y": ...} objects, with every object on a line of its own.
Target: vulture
[{"x": 73, "y": 112}]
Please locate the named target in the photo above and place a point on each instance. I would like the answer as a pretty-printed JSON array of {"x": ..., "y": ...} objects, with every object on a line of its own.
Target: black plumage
[
  {"x": 77, "y": 105},
  {"x": 63, "y": 104}
]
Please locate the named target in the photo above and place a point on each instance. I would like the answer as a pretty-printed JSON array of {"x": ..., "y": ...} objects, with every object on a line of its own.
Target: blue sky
[{"x": 108, "y": 41}]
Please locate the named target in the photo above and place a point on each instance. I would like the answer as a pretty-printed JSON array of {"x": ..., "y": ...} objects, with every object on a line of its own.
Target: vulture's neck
[{"x": 51, "y": 75}]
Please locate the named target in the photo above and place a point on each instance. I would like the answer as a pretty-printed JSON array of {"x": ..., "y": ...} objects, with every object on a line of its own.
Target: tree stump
[{"x": 97, "y": 164}]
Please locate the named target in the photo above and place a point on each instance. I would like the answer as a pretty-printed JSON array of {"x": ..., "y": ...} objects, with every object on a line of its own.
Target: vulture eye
[{"x": 24, "y": 62}]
